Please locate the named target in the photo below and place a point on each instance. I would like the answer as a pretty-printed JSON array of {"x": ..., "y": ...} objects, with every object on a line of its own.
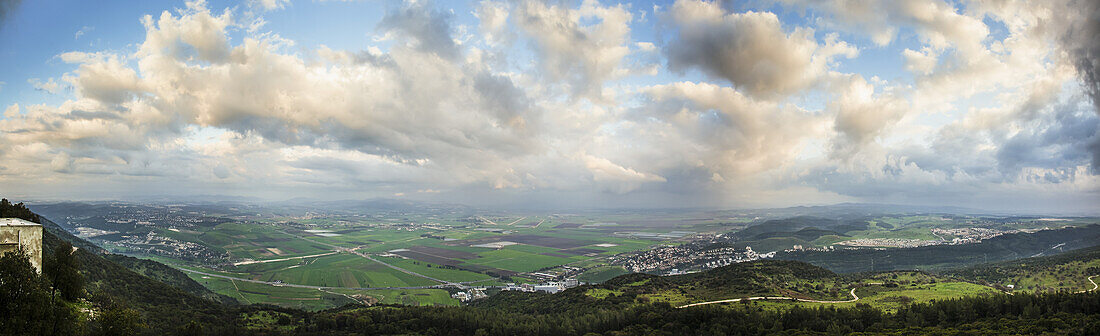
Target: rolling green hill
[
  {"x": 898, "y": 302},
  {"x": 939, "y": 257},
  {"x": 151, "y": 269},
  {"x": 1062, "y": 272}
]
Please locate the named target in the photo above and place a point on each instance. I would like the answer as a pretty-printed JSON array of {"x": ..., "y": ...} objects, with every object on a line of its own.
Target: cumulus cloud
[
  {"x": 861, "y": 115},
  {"x": 750, "y": 49},
  {"x": 582, "y": 55},
  {"x": 492, "y": 21},
  {"x": 704, "y": 133},
  {"x": 617, "y": 178},
  {"x": 417, "y": 106},
  {"x": 546, "y": 102},
  {"x": 428, "y": 29},
  {"x": 195, "y": 34}
]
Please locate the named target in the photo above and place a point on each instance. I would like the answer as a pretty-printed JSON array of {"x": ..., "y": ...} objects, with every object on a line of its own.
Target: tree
[
  {"x": 9, "y": 210},
  {"x": 119, "y": 320},
  {"x": 24, "y": 303},
  {"x": 63, "y": 271}
]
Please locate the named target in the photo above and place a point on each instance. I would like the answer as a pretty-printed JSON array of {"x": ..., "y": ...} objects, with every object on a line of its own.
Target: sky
[{"x": 556, "y": 104}]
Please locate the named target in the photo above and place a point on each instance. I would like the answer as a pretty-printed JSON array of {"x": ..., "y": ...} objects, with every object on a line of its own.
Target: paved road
[{"x": 853, "y": 293}]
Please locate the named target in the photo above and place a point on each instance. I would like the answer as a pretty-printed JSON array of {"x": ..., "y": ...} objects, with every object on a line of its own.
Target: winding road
[
  {"x": 1094, "y": 286},
  {"x": 853, "y": 293}
]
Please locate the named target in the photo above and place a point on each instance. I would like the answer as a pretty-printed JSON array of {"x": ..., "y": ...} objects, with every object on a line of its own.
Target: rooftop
[{"x": 17, "y": 222}]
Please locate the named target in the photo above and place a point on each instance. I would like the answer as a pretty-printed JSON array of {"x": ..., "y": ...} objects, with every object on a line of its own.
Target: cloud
[
  {"x": 920, "y": 62},
  {"x": 750, "y": 49},
  {"x": 49, "y": 85},
  {"x": 1084, "y": 48},
  {"x": 269, "y": 4},
  {"x": 582, "y": 55},
  {"x": 617, "y": 178},
  {"x": 545, "y": 104},
  {"x": 407, "y": 107},
  {"x": 861, "y": 115},
  {"x": 195, "y": 35},
  {"x": 1081, "y": 42},
  {"x": 492, "y": 21},
  {"x": 427, "y": 29},
  {"x": 82, "y": 31},
  {"x": 701, "y": 133}
]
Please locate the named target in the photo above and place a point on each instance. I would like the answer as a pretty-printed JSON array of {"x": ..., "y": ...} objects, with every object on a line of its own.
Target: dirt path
[
  {"x": 249, "y": 262},
  {"x": 1094, "y": 286},
  {"x": 239, "y": 291},
  {"x": 853, "y": 293}
]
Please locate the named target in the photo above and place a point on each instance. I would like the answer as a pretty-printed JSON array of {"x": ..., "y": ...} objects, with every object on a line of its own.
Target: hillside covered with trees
[{"x": 85, "y": 291}]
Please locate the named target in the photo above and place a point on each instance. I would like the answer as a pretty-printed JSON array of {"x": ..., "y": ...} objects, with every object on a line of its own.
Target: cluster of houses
[
  {"x": 688, "y": 255},
  {"x": 470, "y": 294},
  {"x": 549, "y": 286}
]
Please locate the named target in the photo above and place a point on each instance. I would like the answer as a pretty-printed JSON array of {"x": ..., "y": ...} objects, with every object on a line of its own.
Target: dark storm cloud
[
  {"x": 1064, "y": 138},
  {"x": 1082, "y": 42}
]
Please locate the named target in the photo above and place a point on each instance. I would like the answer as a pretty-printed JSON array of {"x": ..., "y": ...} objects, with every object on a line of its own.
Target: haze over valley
[{"x": 535, "y": 167}]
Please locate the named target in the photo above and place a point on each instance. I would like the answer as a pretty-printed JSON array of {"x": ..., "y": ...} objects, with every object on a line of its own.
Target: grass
[
  {"x": 434, "y": 271},
  {"x": 1068, "y": 277},
  {"x": 339, "y": 270},
  {"x": 250, "y": 293},
  {"x": 890, "y": 299},
  {"x": 601, "y": 274},
  {"x": 601, "y": 293},
  {"x": 516, "y": 260},
  {"x": 412, "y": 297}
]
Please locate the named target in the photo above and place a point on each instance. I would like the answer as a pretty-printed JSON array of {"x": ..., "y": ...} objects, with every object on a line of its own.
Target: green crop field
[
  {"x": 248, "y": 293},
  {"x": 340, "y": 270},
  {"x": 435, "y": 271},
  {"x": 411, "y": 297},
  {"x": 601, "y": 274},
  {"x": 513, "y": 259}
]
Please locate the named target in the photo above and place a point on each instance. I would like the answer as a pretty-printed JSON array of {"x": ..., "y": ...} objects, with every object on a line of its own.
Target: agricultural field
[
  {"x": 248, "y": 293},
  {"x": 601, "y": 274},
  {"x": 406, "y": 256},
  {"x": 339, "y": 270},
  {"x": 256, "y": 254}
]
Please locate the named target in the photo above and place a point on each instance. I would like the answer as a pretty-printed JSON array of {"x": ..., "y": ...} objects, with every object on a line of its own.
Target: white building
[
  {"x": 15, "y": 232},
  {"x": 548, "y": 288}
]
